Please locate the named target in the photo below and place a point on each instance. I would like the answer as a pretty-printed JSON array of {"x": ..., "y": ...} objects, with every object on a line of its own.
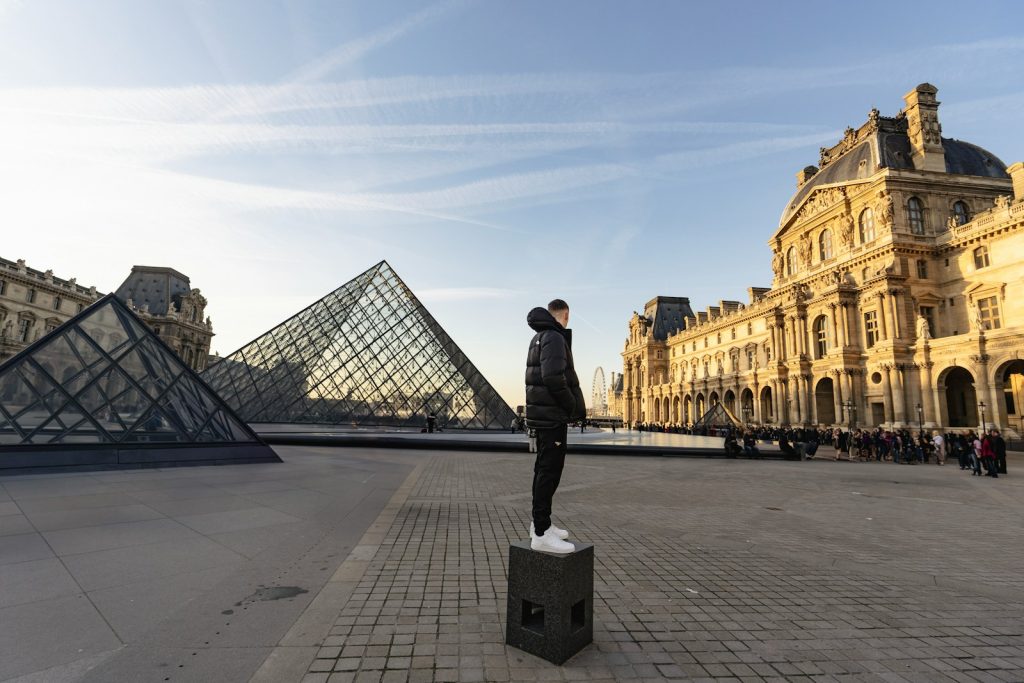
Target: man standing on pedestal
[{"x": 553, "y": 399}]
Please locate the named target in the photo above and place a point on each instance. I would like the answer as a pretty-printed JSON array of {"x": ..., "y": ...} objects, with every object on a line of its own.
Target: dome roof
[{"x": 887, "y": 146}]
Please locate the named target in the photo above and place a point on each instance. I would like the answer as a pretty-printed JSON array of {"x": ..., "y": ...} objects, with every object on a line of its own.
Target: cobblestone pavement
[{"x": 704, "y": 570}]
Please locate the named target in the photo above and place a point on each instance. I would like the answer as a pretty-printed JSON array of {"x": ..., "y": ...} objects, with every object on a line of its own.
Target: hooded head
[{"x": 554, "y": 317}]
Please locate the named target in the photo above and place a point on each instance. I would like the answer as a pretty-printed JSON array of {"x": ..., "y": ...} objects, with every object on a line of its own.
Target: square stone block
[{"x": 550, "y": 601}]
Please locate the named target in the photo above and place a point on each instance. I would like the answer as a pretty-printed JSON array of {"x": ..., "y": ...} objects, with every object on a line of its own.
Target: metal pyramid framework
[
  {"x": 716, "y": 416},
  {"x": 103, "y": 389},
  {"x": 368, "y": 353}
]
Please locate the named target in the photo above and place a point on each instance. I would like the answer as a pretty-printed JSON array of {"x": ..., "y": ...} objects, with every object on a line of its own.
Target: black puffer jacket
[{"x": 553, "y": 394}]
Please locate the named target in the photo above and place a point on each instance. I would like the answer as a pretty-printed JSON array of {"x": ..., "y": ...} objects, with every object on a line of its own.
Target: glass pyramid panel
[
  {"x": 103, "y": 377},
  {"x": 368, "y": 353}
]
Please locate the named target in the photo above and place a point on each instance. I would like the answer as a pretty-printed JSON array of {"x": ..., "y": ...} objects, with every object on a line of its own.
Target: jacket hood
[{"x": 539, "y": 319}]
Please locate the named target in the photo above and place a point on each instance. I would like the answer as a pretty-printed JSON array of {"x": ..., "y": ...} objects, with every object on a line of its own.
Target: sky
[{"x": 496, "y": 154}]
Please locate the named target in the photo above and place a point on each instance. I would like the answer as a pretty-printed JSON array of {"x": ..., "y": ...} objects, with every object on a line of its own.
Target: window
[
  {"x": 79, "y": 308},
  {"x": 56, "y": 303},
  {"x": 750, "y": 328},
  {"x": 871, "y": 327},
  {"x": 915, "y": 214},
  {"x": 922, "y": 269},
  {"x": 820, "y": 336},
  {"x": 981, "y": 257},
  {"x": 50, "y": 327},
  {"x": 734, "y": 333},
  {"x": 718, "y": 338},
  {"x": 750, "y": 359},
  {"x": 24, "y": 329},
  {"x": 864, "y": 275},
  {"x": 694, "y": 345},
  {"x": 961, "y": 213},
  {"x": 30, "y": 296},
  {"x": 825, "y": 245},
  {"x": 791, "y": 261},
  {"x": 659, "y": 354},
  {"x": 3, "y": 287},
  {"x": 705, "y": 342},
  {"x": 988, "y": 311},
  {"x": 867, "y": 226},
  {"x": 928, "y": 313}
]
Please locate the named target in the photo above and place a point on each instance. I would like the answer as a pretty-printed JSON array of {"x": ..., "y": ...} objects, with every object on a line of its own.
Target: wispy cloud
[{"x": 466, "y": 294}]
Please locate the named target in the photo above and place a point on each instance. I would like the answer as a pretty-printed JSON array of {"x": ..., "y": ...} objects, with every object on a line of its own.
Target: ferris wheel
[{"x": 599, "y": 394}]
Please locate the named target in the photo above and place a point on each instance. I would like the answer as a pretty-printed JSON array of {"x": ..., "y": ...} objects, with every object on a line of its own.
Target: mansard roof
[
  {"x": 882, "y": 142},
  {"x": 667, "y": 315}
]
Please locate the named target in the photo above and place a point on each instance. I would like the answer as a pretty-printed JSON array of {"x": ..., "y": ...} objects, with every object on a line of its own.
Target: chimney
[
  {"x": 805, "y": 175},
  {"x": 1016, "y": 172},
  {"x": 924, "y": 130}
]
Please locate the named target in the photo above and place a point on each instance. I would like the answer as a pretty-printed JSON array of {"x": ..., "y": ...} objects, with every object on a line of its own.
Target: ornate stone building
[
  {"x": 165, "y": 300},
  {"x": 897, "y": 299},
  {"x": 34, "y": 302}
]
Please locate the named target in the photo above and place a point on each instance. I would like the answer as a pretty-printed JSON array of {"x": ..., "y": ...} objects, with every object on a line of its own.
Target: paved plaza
[{"x": 705, "y": 569}]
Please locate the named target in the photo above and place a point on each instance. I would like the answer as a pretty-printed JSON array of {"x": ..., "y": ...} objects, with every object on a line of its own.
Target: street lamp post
[
  {"x": 920, "y": 420},
  {"x": 982, "y": 406}
]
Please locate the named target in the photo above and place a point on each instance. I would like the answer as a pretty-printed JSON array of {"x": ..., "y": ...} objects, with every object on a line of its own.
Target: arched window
[
  {"x": 961, "y": 212},
  {"x": 867, "y": 226},
  {"x": 820, "y": 336},
  {"x": 915, "y": 214},
  {"x": 825, "y": 245},
  {"x": 791, "y": 261},
  {"x": 981, "y": 257}
]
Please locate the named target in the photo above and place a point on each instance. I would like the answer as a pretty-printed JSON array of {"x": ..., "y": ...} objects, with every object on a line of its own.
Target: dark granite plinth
[{"x": 550, "y": 601}]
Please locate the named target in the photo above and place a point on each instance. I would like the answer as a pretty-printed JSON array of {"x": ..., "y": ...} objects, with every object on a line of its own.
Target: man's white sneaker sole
[
  {"x": 561, "y": 533},
  {"x": 550, "y": 544}
]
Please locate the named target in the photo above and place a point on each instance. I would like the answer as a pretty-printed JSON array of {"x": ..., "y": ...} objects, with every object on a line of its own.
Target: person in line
[
  {"x": 999, "y": 446},
  {"x": 988, "y": 457},
  {"x": 940, "y": 447},
  {"x": 975, "y": 445},
  {"x": 553, "y": 400}
]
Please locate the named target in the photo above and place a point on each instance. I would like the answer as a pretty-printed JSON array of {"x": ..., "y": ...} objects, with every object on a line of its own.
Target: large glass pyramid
[
  {"x": 103, "y": 380},
  {"x": 368, "y": 353}
]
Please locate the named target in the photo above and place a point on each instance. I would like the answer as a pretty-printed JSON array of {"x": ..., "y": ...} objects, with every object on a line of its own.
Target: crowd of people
[{"x": 979, "y": 453}]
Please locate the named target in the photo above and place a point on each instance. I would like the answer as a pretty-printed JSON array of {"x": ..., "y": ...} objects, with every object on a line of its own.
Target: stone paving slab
[{"x": 704, "y": 570}]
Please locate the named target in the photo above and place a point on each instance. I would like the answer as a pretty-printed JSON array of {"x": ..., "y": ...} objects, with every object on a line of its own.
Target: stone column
[
  {"x": 899, "y": 396},
  {"x": 982, "y": 387},
  {"x": 757, "y": 400},
  {"x": 887, "y": 392},
  {"x": 844, "y": 325},
  {"x": 837, "y": 395},
  {"x": 808, "y": 399},
  {"x": 803, "y": 335},
  {"x": 895, "y": 305},
  {"x": 847, "y": 382},
  {"x": 775, "y": 398},
  {"x": 837, "y": 340},
  {"x": 794, "y": 381},
  {"x": 883, "y": 318}
]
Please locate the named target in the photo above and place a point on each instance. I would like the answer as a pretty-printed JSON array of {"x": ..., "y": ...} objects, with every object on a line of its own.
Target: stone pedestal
[{"x": 550, "y": 601}]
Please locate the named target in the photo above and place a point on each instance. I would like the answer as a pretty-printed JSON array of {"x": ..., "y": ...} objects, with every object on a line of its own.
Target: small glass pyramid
[
  {"x": 103, "y": 377},
  {"x": 716, "y": 416},
  {"x": 368, "y": 353}
]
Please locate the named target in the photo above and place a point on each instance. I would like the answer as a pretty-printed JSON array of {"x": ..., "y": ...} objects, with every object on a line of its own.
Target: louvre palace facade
[
  {"x": 897, "y": 298},
  {"x": 34, "y": 303}
]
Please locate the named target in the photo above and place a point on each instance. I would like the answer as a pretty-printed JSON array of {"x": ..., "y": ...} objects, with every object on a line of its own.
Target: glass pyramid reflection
[
  {"x": 103, "y": 377},
  {"x": 368, "y": 353}
]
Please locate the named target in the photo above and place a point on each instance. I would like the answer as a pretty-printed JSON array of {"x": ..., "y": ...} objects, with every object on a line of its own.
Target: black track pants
[{"x": 547, "y": 472}]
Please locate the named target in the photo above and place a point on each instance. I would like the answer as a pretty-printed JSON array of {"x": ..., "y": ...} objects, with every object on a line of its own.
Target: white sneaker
[
  {"x": 551, "y": 543},
  {"x": 561, "y": 533}
]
